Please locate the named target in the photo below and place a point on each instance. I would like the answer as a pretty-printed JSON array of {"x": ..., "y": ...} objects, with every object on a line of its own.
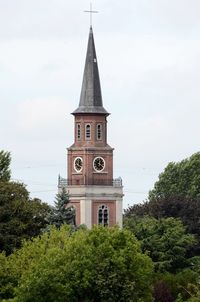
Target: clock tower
[{"x": 95, "y": 195}]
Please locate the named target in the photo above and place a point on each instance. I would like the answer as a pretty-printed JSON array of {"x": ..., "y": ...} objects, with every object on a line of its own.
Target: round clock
[
  {"x": 99, "y": 164},
  {"x": 78, "y": 164}
]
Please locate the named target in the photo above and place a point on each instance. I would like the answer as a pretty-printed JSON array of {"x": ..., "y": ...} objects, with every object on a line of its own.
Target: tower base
[{"x": 96, "y": 205}]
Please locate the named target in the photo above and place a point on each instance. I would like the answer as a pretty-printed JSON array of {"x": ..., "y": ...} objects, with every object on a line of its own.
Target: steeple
[
  {"x": 93, "y": 193},
  {"x": 91, "y": 99}
]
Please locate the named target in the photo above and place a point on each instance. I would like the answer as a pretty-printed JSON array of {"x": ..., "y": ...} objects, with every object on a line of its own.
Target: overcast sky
[{"x": 149, "y": 61}]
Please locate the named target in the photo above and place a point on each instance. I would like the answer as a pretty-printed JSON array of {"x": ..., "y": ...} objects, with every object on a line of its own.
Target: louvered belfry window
[
  {"x": 88, "y": 131},
  {"x": 78, "y": 131},
  {"x": 99, "y": 132}
]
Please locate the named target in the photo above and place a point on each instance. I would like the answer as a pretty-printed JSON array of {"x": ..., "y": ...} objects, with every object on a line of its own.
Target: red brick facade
[
  {"x": 112, "y": 211},
  {"x": 88, "y": 150},
  {"x": 90, "y": 159},
  {"x": 95, "y": 208}
]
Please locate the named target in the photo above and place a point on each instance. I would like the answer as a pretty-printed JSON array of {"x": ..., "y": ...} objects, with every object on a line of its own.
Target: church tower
[{"x": 95, "y": 195}]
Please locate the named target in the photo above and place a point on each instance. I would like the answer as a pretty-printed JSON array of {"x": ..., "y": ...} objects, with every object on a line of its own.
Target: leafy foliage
[
  {"x": 103, "y": 264},
  {"x": 179, "y": 179},
  {"x": 195, "y": 264},
  {"x": 162, "y": 293},
  {"x": 5, "y": 160},
  {"x": 183, "y": 284},
  {"x": 165, "y": 241},
  {"x": 7, "y": 278},
  {"x": 195, "y": 298},
  {"x": 185, "y": 208},
  {"x": 20, "y": 217},
  {"x": 176, "y": 195}
]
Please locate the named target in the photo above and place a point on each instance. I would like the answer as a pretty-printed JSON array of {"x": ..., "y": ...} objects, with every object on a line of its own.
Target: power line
[
  {"x": 132, "y": 192},
  {"x": 37, "y": 166},
  {"x": 43, "y": 191},
  {"x": 33, "y": 182}
]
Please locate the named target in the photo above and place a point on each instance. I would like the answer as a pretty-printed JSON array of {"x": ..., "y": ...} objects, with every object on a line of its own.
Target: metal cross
[{"x": 91, "y": 12}]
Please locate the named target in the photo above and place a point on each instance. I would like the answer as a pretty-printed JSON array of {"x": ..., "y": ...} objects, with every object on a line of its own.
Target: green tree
[
  {"x": 139, "y": 209},
  {"x": 102, "y": 264},
  {"x": 185, "y": 208},
  {"x": 183, "y": 284},
  {"x": 5, "y": 171},
  {"x": 179, "y": 298},
  {"x": 195, "y": 264},
  {"x": 195, "y": 298},
  {"x": 162, "y": 293},
  {"x": 7, "y": 278},
  {"x": 62, "y": 212},
  {"x": 165, "y": 240},
  {"x": 179, "y": 179},
  {"x": 20, "y": 217}
]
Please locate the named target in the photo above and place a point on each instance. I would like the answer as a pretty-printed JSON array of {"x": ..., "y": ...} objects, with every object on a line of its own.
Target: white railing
[
  {"x": 117, "y": 182},
  {"x": 64, "y": 182}
]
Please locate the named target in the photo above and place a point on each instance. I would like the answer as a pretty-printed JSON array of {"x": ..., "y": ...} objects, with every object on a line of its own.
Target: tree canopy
[
  {"x": 187, "y": 209},
  {"x": 5, "y": 159},
  {"x": 102, "y": 264},
  {"x": 20, "y": 217},
  {"x": 179, "y": 179},
  {"x": 164, "y": 240},
  {"x": 168, "y": 228},
  {"x": 176, "y": 194}
]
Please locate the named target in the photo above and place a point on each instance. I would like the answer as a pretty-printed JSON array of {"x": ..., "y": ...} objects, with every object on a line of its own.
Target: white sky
[{"x": 149, "y": 61}]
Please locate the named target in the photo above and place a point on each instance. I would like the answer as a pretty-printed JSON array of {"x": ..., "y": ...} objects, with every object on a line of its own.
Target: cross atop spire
[
  {"x": 91, "y": 99},
  {"x": 91, "y": 12}
]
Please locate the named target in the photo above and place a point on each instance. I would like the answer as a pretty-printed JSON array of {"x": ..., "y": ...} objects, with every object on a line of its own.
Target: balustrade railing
[{"x": 64, "y": 182}]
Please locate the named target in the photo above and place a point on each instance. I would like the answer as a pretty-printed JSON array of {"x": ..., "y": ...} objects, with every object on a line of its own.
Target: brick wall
[{"x": 112, "y": 211}]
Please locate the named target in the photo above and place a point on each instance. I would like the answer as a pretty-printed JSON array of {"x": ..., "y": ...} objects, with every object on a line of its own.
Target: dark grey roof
[{"x": 91, "y": 99}]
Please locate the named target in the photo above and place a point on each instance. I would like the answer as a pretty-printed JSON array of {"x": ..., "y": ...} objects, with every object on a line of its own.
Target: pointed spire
[{"x": 91, "y": 99}]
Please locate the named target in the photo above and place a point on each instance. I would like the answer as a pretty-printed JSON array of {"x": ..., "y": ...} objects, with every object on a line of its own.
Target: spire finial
[{"x": 91, "y": 12}]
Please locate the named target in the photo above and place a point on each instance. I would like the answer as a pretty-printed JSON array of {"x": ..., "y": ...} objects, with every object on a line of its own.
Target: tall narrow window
[
  {"x": 78, "y": 129},
  {"x": 99, "y": 132},
  {"x": 103, "y": 215},
  {"x": 88, "y": 131}
]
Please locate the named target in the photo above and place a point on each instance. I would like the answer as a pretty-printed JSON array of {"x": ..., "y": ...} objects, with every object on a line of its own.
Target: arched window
[
  {"x": 78, "y": 131},
  {"x": 103, "y": 215},
  {"x": 99, "y": 132},
  {"x": 87, "y": 131}
]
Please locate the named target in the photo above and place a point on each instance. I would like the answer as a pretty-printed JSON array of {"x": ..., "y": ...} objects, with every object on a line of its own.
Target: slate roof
[{"x": 91, "y": 99}]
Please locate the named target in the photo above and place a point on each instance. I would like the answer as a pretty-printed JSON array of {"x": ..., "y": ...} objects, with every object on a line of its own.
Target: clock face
[
  {"x": 78, "y": 164},
  {"x": 99, "y": 164}
]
